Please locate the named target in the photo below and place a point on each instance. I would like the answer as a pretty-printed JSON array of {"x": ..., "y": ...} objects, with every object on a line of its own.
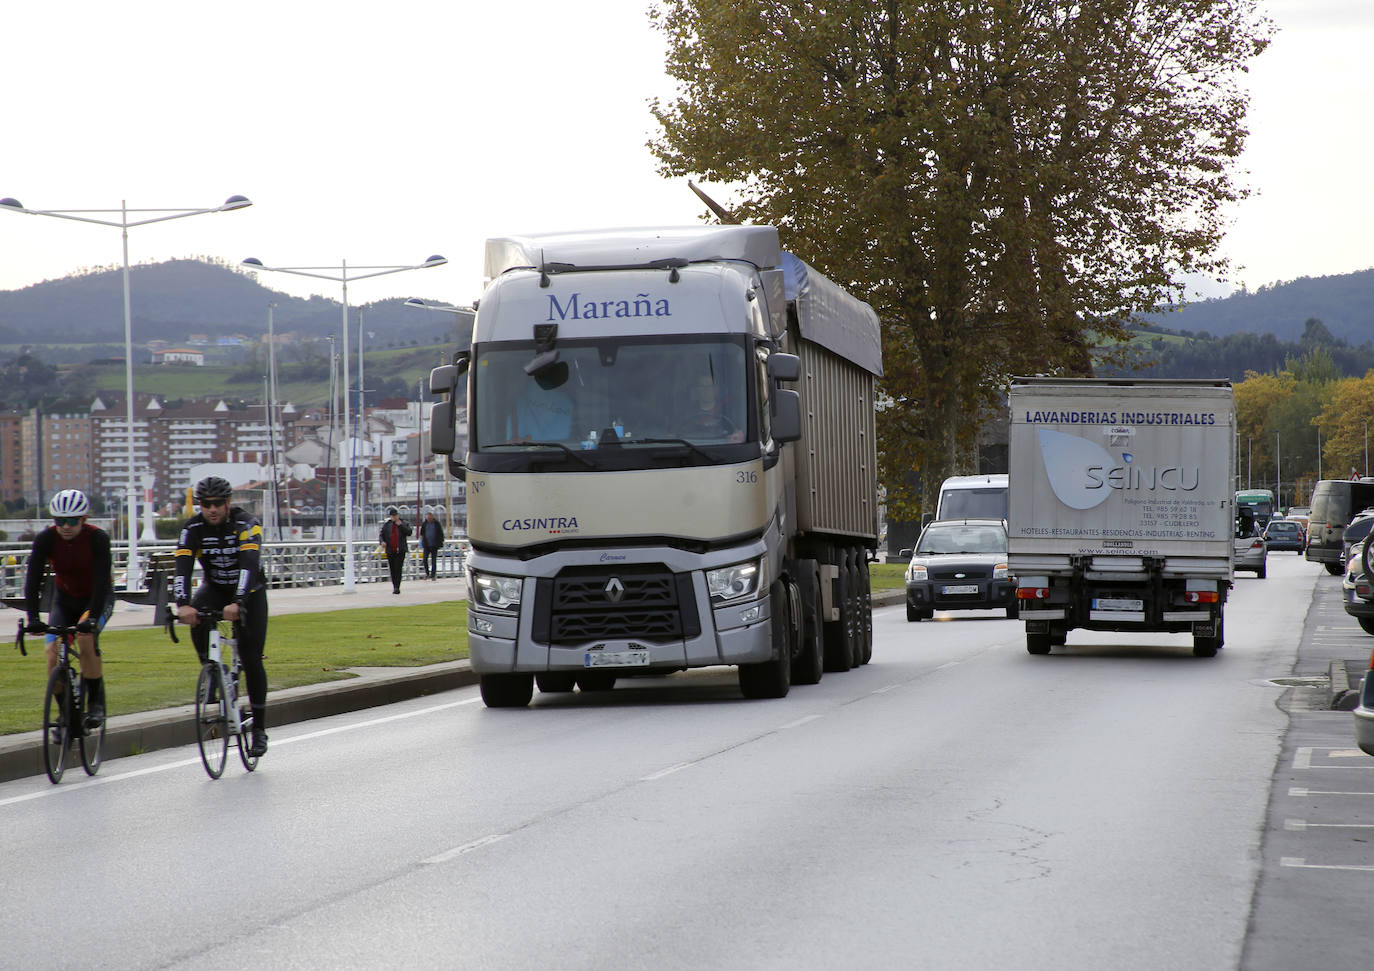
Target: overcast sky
[{"x": 380, "y": 136}]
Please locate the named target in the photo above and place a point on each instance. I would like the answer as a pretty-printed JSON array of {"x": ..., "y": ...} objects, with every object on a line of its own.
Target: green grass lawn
[
  {"x": 146, "y": 671},
  {"x": 887, "y": 576}
]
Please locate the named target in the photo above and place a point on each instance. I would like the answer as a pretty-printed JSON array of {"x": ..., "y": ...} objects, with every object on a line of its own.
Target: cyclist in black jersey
[
  {"x": 227, "y": 541},
  {"x": 83, "y": 595}
]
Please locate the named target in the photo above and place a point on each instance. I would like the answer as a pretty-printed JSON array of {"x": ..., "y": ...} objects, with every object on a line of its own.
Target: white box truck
[
  {"x": 670, "y": 462},
  {"x": 1121, "y": 506}
]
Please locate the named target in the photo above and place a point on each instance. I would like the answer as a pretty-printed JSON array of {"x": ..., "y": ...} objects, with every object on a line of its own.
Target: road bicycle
[
  {"x": 218, "y": 715},
  {"x": 65, "y": 723}
]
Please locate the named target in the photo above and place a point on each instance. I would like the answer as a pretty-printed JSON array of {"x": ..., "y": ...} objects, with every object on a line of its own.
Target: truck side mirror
[
  {"x": 787, "y": 426},
  {"x": 784, "y": 367},
  {"x": 450, "y": 380}
]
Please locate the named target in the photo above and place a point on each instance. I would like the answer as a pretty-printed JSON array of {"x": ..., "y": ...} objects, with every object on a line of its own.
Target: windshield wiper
[
  {"x": 588, "y": 463},
  {"x": 677, "y": 441}
]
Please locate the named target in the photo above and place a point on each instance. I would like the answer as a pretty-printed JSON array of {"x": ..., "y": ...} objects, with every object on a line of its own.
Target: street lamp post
[
  {"x": 134, "y": 570},
  {"x": 342, "y": 276}
]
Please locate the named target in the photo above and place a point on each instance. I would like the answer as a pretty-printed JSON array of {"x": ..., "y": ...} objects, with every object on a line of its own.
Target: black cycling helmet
[{"x": 213, "y": 487}]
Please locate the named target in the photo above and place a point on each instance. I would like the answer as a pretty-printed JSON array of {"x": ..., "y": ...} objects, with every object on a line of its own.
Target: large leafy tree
[{"x": 1006, "y": 181}]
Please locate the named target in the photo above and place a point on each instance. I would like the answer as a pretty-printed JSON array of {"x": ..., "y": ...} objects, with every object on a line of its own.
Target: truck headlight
[
  {"x": 493, "y": 591},
  {"x": 734, "y": 582},
  {"x": 999, "y": 572},
  {"x": 916, "y": 574}
]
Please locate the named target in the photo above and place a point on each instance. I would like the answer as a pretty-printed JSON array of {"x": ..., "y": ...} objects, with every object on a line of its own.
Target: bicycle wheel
[
  {"x": 245, "y": 739},
  {"x": 57, "y": 723},
  {"x": 92, "y": 739},
  {"x": 212, "y": 719}
]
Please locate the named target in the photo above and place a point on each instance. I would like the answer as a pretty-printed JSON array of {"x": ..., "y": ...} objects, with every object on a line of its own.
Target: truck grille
[{"x": 648, "y": 603}]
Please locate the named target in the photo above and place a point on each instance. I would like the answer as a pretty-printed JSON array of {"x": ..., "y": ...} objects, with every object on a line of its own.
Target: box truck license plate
[
  {"x": 616, "y": 659},
  {"x": 960, "y": 588},
  {"x": 1108, "y": 603}
]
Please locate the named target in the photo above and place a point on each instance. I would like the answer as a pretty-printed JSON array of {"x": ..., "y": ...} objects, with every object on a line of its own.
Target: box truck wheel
[
  {"x": 809, "y": 664},
  {"x": 854, "y": 630},
  {"x": 595, "y": 680},
  {"x": 507, "y": 690},
  {"x": 772, "y": 678},
  {"x": 555, "y": 681}
]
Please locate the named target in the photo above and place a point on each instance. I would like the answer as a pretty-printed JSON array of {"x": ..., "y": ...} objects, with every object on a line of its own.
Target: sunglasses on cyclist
[
  {"x": 67, "y": 520},
  {"x": 213, "y": 503}
]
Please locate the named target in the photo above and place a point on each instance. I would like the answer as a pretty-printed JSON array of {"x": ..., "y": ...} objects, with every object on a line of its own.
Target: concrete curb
[{"x": 21, "y": 754}]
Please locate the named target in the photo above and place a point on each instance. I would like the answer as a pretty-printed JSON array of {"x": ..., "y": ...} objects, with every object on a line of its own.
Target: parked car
[
  {"x": 1250, "y": 552},
  {"x": 959, "y": 564},
  {"x": 1355, "y": 533},
  {"x": 1282, "y": 534},
  {"x": 1357, "y": 593}
]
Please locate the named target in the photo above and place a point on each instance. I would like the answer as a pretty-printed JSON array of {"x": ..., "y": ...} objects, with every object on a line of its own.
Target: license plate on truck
[
  {"x": 616, "y": 659},
  {"x": 959, "y": 588},
  {"x": 1111, "y": 603}
]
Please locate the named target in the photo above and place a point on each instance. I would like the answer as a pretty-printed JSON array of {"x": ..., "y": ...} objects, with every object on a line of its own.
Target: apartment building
[
  {"x": 171, "y": 438},
  {"x": 11, "y": 456}
]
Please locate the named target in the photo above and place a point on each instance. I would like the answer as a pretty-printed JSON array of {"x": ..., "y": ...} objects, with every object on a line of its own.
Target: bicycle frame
[
  {"x": 217, "y": 695},
  {"x": 66, "y": 691}
]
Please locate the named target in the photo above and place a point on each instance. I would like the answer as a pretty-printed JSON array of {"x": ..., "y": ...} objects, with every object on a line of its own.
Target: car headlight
[
  {"x": 916, "y": 574},
  {"x": 493, "y": 591},
  {"x": 734, "y": 582},
  {"x": 999, "y": 572}
]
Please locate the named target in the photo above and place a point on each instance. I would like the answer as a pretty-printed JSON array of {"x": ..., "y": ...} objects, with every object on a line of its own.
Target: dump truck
[{"x": 669, "y": 462}]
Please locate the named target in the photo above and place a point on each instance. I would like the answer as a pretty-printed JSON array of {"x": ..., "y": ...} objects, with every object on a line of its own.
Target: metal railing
[{"x": 288, "y": 565}]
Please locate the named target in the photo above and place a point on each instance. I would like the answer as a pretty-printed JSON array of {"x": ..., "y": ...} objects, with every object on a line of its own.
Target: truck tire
[
  {"x": 1038, "y": 643},
  {"x": 553, "y": 682},
  {"x": 809, "y": 664},
  {"x": 854, "y": 631},
  {"x": 772, "y": 678},
  {"x": 838, "y": 651},
  {"x": 506, "y": 690},
  {"x": 866, "y": 607},
  {"x": 913, "y": 614}
]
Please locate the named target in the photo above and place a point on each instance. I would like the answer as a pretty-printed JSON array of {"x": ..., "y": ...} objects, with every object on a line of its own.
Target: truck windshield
[{"x": 676, "y": 393}]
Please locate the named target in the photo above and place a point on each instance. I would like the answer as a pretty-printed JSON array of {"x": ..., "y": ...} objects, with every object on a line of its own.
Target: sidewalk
[{"x": 21, "y": 754}]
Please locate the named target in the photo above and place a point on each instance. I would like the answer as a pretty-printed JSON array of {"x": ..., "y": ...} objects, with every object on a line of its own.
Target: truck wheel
[
  {"x": 913, "y": 614},
  {"x": 1038, "y": 643},
  {"x": 837, "y": 645},
  {"x": 854, "y": 630},
  {"x": 1059, "y": 636},
  {"x": 553, "y": 682},
  {"x": 810, "y": 662},
  {"x": 866, "y": 607},
  {"x": 506, "y": 690},
  {"x": 595, "y": 681},
  {"x": 772, "y": 678}
]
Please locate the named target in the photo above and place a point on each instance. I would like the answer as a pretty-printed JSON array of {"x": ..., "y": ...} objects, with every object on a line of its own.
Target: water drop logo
[{"x": 1067, "y": 459}]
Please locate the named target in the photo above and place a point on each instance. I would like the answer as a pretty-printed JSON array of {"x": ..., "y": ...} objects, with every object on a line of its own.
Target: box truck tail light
[
  {"x": 1032, "y": 593},
  {"x": 1200, "y": 597},
  {"x": 1371, "y": 661}
]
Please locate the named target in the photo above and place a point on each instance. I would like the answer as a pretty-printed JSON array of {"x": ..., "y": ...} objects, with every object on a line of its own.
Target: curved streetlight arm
[
  {"x": 346, "y": 276},
  {"x": 233, "y": 202},
  {"x": 419, "y": 304}
]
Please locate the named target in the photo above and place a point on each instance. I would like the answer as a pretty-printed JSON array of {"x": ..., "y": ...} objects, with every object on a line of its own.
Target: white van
[{"x": 973, "y": 497}]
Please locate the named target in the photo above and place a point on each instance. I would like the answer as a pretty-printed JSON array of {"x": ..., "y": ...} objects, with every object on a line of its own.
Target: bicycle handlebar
[
  {"x": 41, "y": 628},
  {"x": 208, "y": 615}
]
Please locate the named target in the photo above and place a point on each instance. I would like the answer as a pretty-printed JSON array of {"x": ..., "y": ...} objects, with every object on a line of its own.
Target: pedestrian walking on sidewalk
[
  {"x": 431, "y": 539},
  {"x": 393, "y": 537}
]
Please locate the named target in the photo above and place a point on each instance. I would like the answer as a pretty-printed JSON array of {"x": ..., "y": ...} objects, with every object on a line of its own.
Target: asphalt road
[{"x": 956, "y": 803}]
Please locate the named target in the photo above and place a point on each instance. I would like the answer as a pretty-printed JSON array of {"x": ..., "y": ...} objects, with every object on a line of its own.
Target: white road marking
[
  {"x": 457, "y": 851},
  {"x": 1300, "y": 863},
  {"x": 668, "y": 771},
  {"x": 799, "y": 722},
  {"x": 1301, "y": 793},
  {"x": 102, "y": 780},
  {"x": 1303, "y": 759},
  {"x": 1300, "y": 825}
]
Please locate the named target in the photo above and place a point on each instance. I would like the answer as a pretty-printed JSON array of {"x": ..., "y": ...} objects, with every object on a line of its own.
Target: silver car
[{"x": 1250, "y": 553}]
